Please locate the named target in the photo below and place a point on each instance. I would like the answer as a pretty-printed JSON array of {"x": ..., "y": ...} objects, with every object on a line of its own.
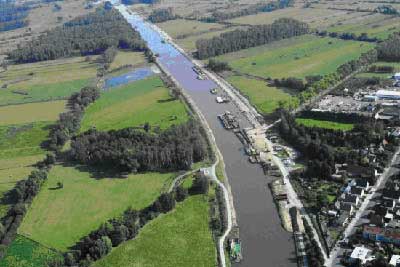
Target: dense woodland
[
  {"x": 162, "y": 15},
  {"x": 12, "y": 16},
  {"x": 253, "y": 36},
  {"x": 135, "y": 150},
  {"x": 250, "y": 10},
  {"x": 86, "y": 35},
  {"x": 389, "y": 50}
]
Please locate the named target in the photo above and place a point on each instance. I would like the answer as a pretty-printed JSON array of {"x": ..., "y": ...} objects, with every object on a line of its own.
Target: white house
[
  {"x": 362, "y": 254},
  {"x": 397, "y": 76},
  {"x": 395, "y": 260}
]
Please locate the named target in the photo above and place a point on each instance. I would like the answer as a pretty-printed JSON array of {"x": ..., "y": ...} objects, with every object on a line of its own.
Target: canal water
[{"x": 264, "y": 241}]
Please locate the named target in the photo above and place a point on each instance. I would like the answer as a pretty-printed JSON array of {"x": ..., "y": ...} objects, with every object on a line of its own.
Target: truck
[{"x": 236, "y": 250}]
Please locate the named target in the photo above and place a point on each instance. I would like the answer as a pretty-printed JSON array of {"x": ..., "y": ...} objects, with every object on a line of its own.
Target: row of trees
[
  {"x": 69, "y": 122},
  {"x": 249, "y": 10},
  {"x": 253, "y": 36},
  {"x": 115, "y": 231},
  {"x": 162, "y": 15},
  {"x": 132, "y": 2},
  {"x": 291, "y": 82},
  {"x": 389, "y": 50},
  {"x": 135, "y": 150},
  {"x": 381, "y": 69},
  {"x": 86, "y": 35},
  {"x": 363, "y": 37},
  {"x": 20, "y": 197}
]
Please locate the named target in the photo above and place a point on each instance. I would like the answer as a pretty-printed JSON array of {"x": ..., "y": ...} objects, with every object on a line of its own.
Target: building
[
  {"x": 347, "y": 207},
  {"x": 385, "y": 235},
  {"x": 353, "y": 199},
  {"x": 359, "y": 191},
  {"x": 397, "y": 76},
  {"x": 388, "y": 94},
  {"x": 395, "y": 261},
  {"x": 362, "y": 254}
]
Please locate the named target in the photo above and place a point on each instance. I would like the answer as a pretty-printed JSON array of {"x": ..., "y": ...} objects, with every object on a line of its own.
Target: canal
[{"x": 264, "y": 241}]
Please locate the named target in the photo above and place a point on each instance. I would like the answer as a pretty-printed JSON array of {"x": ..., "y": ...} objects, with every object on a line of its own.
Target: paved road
[{"x": 265, "y": 242}]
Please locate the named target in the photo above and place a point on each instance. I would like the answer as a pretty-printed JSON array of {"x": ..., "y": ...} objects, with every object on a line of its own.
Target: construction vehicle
[{"x": 236, "y": 250}]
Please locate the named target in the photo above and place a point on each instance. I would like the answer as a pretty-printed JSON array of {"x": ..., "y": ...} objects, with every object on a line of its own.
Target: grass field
[
  {"x": 264, "y": 97},
  {"x": 124, "y": 58},
  {"x": 59, "y": 218},
  {"x": 325, "y": 124},
  {"x": 31, "y": 112},
  {"x": 133, "y": 105},
  {"x": 181, "y": 27},
  {"x": 13, "y": 170},
  {"x": 45, "y": 80},
  {"x": 179, "y": 238},
  {"x": 24, "y": 252},
  {"x": 22, "y": 140},
  {"x": 296, "y": 57}
]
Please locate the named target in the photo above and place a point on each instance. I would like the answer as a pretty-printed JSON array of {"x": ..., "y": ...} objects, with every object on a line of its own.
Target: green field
[
  {"x": 24, "y": 252},
  {"x": 325, "y": 124},
  {"x": 181, "y": 27},
  {"x": 380, "y": 27},
  {"x": 179, "y": 238},
  {"x": 13, "y": 170},
  {"x": 296, "y": 57},
  {"x": 58, "y": 218},
  {"x": 31, "y": 112},
  {"x": 45, "y": 81},
  {"x": 124, "y": 58},
  {"x": 265, "y": 98},
  {"x": 22, "y": 140},
  {"x": 133, "y": 105}
]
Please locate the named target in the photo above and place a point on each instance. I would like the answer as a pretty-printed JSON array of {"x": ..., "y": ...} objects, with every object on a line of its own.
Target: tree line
[
  {"x": 20, "y": 197},
  {"x": 162, "y": 15},
  {"x": 133, "y": 150},
  {"x": 389, "y": 50},
  {"x": 85, "y": 35},
  {"x": 363, "y": 37},
  {"x": 132, "y": 2},
  {"x": 68, "y": 123},
  {"x": 249, "y": 10},
  {"x": 251, "y": 37},
  {"x": 117, "y": 230}
]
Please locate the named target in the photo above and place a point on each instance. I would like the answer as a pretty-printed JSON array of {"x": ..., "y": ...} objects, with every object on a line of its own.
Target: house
[
  {"x": 385, "y": 235},
  {"x": 343, "y": 219},
  {"x": 363, "y": 183},
  {"x": 376, "y": 219},
  {"x": 396, "y": 76},
  {"x": 355, "y": 190},
  {"x": 388, "y": 203},
  {"x": 347, "y": 207},
  {"x": 381, "y": 211},
  {"x": 361, "y": 253},
  {"x": 395, "y": 261},
  {"x": 353, "y": 199},
  {"x": 332, "y": 213},
  {"x": 391, "y": 194}
]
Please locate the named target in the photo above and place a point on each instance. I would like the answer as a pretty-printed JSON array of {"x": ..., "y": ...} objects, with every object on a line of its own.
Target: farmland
[
  {"x": 179, "y": 238},
  {"x": 265, "y": 98},
  {"x": 45, "y": 81},
  {"x": 85, "y": 201},
  {"x": 134, "y": 105},
  {"x": 24, "y": 252},
  {"x": 31, "y": 112},
  {"x": 296, "y": 57},
  {"x": 325, "y": 124},
  {"x": 124, "y": 58},
  {"x": 181, "y": 28},
  {"x": 22, "y": 140}
]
